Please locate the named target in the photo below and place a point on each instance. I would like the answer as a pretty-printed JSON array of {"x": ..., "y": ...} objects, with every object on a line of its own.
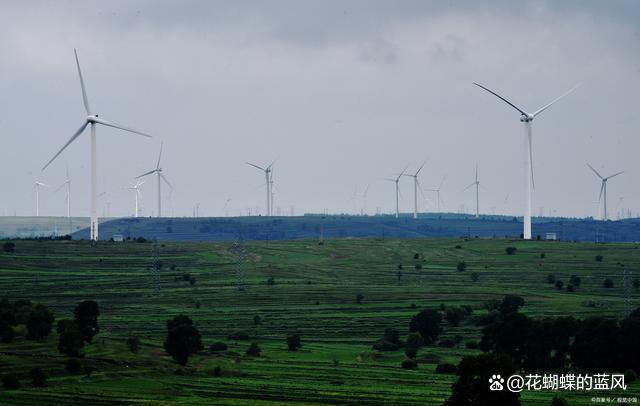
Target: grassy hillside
[{"x": 313, "y": 292}]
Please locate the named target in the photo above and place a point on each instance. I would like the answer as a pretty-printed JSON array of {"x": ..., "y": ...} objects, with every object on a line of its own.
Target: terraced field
[{"x": 313, "y": 293}]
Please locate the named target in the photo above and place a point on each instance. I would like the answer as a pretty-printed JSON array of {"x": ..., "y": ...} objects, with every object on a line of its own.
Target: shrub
[
  {"x": 543, "y": 255},
  {"x": 359, "y": 298},
  {"x": 413, "y": 342},
  {"x": 608, "y": 283},
  {"x": 294, "y": 342},
  {"x": 399, "y": 267},
  {"x": 462, "y": 266},
  {"x": 491, "y": 304},
  {"x": 238, "y": 336},
  {"x": 418, "y": 267},
  {"x": 510, "y": 250},
  {"x": 575, "y": 280},
  {"x": 551, "y": 278},
  {"x": 599, "y": 258},
  {"x": 10, "y": 381},
  {"x": 254, "y": 350},
  {"x": 409, "y": 364},
  {"x": 472, "y": 345},
  {"x": 217, "y": 347},
  {"x": 454, "y": 315},
  {"x": 192, "y": 281},
  {"x": 446, "y": 369},
  {"x": 38, "y": 377},
  {"x": 570, "y": 288},
  {"x": 446, "y": 343},
  {"x": 133, "y": 343},
  {"x": 475, "y": 276},
  {"x": 384, "y": 345},
  {"x": 9, "y": 247},
  {"x": 458, "y": 247},
  {"x": 636, "y": 283},
  {"x": 70, "y": 340},
  {"x": 7, "y": 334},
  {"x": 217, "y": 371},
  {"x": 271, "y": 281},
  {"x": 256, "y": 320},
  {"x": 73, "y": 366},
  {"x": 559, "y": 285}
]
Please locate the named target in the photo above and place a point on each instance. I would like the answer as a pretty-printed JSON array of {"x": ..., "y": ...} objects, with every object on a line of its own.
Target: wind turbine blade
[
  {"x": 364, "y": 195},
  {"x": 601, "y": 190},
  {"x": 421, "y": 166},
  {"x": 615, "y": 174},
  {"x": 165, "y": 180},
  {"x": 119, "y": 126},
  {"x": 77, "y": 133},
  {"x": 146, "y": 173},
  {"x": 473, "y": 184},
  {"x": 255, "y": 166},
  {"x": 594, "y": 171},
  {"x": 501, "y": 98},
  {"x": 271, "y": 164},
  {"x": 555, "y": 100},
  {"x": 58, "y": 188},
  {"x": 85, "y": 100},
  {"x": 160, "y": 155},
  {"x": 442, "y": 182}
]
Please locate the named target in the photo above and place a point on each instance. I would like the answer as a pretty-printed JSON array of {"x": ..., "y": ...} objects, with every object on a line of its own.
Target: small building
[
  {"x": 551, "y": 236},
  {"x": 117, "y": 238}
]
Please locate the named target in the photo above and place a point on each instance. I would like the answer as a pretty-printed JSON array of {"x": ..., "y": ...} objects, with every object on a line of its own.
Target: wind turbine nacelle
[
  {"x": 526, "y": 118},
  {"x": 92, "y": 119}
]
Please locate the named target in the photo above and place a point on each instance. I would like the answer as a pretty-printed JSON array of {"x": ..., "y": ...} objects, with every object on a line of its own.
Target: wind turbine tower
[
  {"x": 396, "y": 180},
  {"x": 416, "y": 185},
  {"x": 67, "y": 183},
  {"x": 136, "y": 190},
  {"x": 526, "y": 119},
  {"x": 269, "y": 183},
  {"x": 477, "y": 185},
  {"x": 91, "y": 119},
  {"x": 161, "y": 177},
  {"x": 603, "y": 189},
  {"x": 37, "y": 185}
]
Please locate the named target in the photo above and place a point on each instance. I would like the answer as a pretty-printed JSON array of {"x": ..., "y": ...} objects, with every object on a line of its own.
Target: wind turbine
[
  {"x": 527, "y": 118},
  {"x": 136, "y": 188},
  {"x": 158, "y": 172},
  {"x": 269, "y": 182},
  {"x": 416, "y": 185},
  {"x": 477, "y": 185},
  {"x": 66, "y": 183},
  {"x": 397, "y": 180},
  {"x": 437, "y": 191},
  {"x": 91, "y": 119},
  {"x": 37, "y": 185},
  {"x": 603, "y": 188}
]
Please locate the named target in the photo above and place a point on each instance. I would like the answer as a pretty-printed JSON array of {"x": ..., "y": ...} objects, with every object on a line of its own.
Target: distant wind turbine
[
  {"x": 416, "y": 185},
  {"x": 37, "y": 185},
  {"x": 396, "y": 180},
  {"x": 603, "y": 188},
  {"x": 91, "y": 119},
  {"x": 477, "y": 185},
  {"x": 437, "y": 191},
  {"x": 527, "y": 118},
  {"x": 269, "y": 182},
  {"x": 66, "y": 183},
  {"x": 160, "y": 176},
  {"x": 136, "y": 190}
]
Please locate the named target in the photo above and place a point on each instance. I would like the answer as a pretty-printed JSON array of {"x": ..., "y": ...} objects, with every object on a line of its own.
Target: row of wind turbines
[{"x": 92, "y": 120}]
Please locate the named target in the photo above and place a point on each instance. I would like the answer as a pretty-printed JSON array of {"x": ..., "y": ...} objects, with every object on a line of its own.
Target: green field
[{"x": 314, "y": 293}]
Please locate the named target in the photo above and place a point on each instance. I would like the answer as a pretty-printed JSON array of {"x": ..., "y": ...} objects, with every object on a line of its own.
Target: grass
[{"x": 314, "y": 294}]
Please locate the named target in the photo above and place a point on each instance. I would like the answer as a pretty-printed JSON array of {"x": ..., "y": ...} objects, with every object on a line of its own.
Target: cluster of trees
[
  {"x": 72, "y": 334},
  {"x": 38, "y": 319}
]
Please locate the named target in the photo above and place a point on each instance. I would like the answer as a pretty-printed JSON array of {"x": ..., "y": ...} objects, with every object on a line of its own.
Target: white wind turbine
[
  {"x": 416, "y": 185},
  {"x": 136, "y": 190},
  {"x": 527, "y": 118},
  {"x": 160, "y": 175},
  {"x": 476, "y": 183},
  {"x": 67, "y": 183},
  {"x": 91, "y": 119},
  {"x": 37, "y": 185},
  {"x": 603, "y": 189},
  {"x": 269, "y": 182},
  {"x": 396, "y": 180},
  {"x": 437, "y": 191}
]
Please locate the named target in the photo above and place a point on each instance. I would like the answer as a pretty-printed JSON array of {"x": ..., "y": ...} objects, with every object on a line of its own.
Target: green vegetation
[{"x": 313, "y": 297}]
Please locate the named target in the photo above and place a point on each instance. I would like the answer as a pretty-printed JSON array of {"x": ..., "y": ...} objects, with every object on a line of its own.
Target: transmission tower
[
  {"x": 627, "y": 282},
  {"x": 155, "y": 268},
  {"x": 240, "y": 254}
]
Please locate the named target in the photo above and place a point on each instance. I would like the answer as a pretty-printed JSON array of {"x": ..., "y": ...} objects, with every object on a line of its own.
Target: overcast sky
[{"x": 342, "y": 94}]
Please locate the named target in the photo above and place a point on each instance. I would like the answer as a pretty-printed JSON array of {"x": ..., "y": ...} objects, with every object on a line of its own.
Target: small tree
[
  {"x": 418, "y": 267},
  {"x": 9, "y": 247},
  {"x": 427, "y": 323},
  {"x": 454, "y": 315},
  {"x": 293, "y": 342},
  {"x": 38, "y": 377},
  {"x": 39, "y": 323},
  {"x": 475, "y": 276},
  {"x": 462, "y": 266},
  {"x": 599, "y": 258},
  {"x": 409, "y": 364},
  {"x": 217, "y": 347},
  {"x": 71, "y": 340},
  {"x": 73, "y": 366},
  {"x": 183, "y": 340},
  {"x": 86, "y": 317},
  {"x": 413, "y": 343},
  {"x": 559, "y": 285},
  {"x": 636, "y": 283},
  {"x": 359, "y": 298},
  {"x": 399, "y": 275},
  {"x": 254, "y": 350},
  {"x": 551, "y": 278},
  {"x": 133, "y": 343},
  {"x": 510, "y": 250},
  {"x": 510, "y": 304},
  {"x": 608, "y": 283},
  {"x": 575, "y": 280},
  {"x": 257, "y": 320},
  {"x": 10, "y": 381},
  {"x": 570, "y": 288}
]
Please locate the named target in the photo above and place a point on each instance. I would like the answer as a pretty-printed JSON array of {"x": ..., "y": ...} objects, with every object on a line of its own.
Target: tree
[
  {"x": 134, "y": 344},
  {"x": 359, "y": 298},
  {"x": 9, "y": 247},
  {"x": 510, "y": 304},
  {"x": 86, "y": 317},
  {"x": 257, "y": 320},
  {"x": 475, "y": 276},
  {"x": 413, "y": 343},
  {"x": 454, "y": 315},
  {"x": 73, "y": 366},
  {"x": 427, "y": 323},
  {"x": 39, "y": 323},
  {"x": 409, "y": 364},
  {"x": 391, "y": 335},
  {"x": 217, "y": 347},
  {"x": 10, "y": 381},
  {"x": 462, "y": 266},
  {"x": 254, "y": 350},
  {"x": 636, "y": 283},
  {"x": 629, "y": 351},
  {"x": 38, "y": 377},
  {"x": 508, "y": 336},
  {"x": 183, "y": 340},
  {"x": 608, "y": 283},
  {"x": 71, "y": 340},
  {"x": 510, "y": 250},
  {"x": 596, "y": 344},
  {"x": 599, "y": 258},
  {"x": 21, "y": 310},
  {"x": 475, "y": 373},
  {"x": 551, "y": 278},
  {"x": 575, "y": 280},
  {"x": 293, "y": 342},
  {"x": 559, "y": 284}
]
